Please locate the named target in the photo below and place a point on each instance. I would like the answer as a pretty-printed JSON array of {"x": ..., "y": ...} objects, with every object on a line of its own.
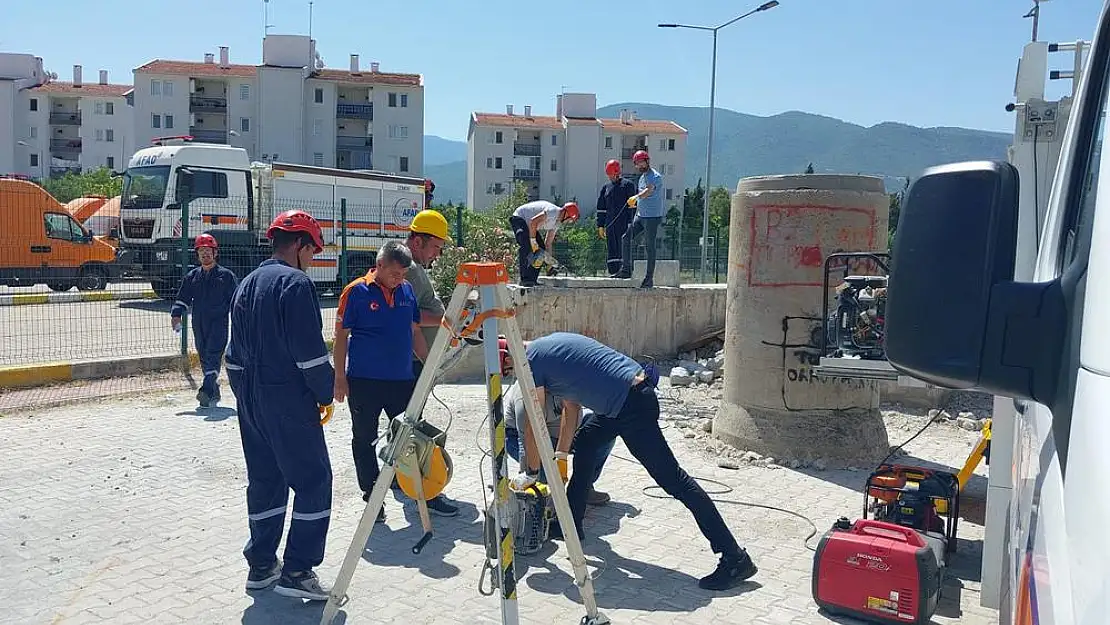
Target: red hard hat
[
  {"x": 205, "y": 240},
  {"x": 503, "y": 353},
  {"x": 298, "y": 221},
  {"x": 613, "y": 168},
  {"x": 640, "y": 155},
  {"x": 571, "y": 209}
]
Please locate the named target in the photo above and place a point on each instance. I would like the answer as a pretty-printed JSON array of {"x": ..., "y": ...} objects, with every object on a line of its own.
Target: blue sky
[{"x": 923, "y": 62}]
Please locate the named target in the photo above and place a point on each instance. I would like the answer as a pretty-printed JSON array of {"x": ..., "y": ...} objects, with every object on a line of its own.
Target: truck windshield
[{"x": 144, "y": 187}]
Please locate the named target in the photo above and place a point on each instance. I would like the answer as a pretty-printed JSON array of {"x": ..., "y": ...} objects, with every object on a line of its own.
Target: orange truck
[{"x": 41, "y": 243}]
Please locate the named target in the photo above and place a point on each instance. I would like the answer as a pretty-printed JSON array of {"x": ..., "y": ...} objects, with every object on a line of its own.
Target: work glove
[
  {"x": 523, "y": 480},
  {"x": 561, "y": 462},
  {"x": 535, "y": 246},
  {"x": 600, "y": 232},
  {"x": 326, "y": 413},
  {"x": 633, "y": 200}
]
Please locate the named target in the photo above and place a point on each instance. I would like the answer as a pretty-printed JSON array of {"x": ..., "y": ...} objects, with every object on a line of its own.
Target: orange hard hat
[
  {"x": 571, "y": 211},
  {"x": 205, "y": 240},
  {"x": 298, "y": 221},
  {"x": 613, "y": 168}
]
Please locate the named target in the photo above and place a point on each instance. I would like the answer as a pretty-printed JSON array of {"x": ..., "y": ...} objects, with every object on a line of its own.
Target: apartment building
[
  {"x": 50, "y": 127},
  {"x": 562, "y": 157},
  {"x": 290, "y": 108}
]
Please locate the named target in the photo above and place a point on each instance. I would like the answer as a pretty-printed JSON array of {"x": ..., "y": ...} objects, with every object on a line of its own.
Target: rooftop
[
  {"x": 193, "y": 68},
  {"x": 517, "y": 121},
  {"x": 86, "y": 89},
  {"x": 549, "y": 121}
]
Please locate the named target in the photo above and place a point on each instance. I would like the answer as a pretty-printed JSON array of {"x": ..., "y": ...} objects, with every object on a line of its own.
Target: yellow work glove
[
  {"x": 633, "y": 200},
  {"x": 326, "y": 412},
  {"x": 600, "y": 232},
  {"x": 561, "y": 462},
  {"x": 535, "y": 246}
]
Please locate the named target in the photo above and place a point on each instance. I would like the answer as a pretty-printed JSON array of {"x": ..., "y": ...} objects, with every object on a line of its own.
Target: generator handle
[{"x": 895, "y": 532}]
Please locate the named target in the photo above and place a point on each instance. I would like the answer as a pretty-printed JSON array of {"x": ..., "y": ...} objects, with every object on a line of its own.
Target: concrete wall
[{"x": 636, "y": 322}]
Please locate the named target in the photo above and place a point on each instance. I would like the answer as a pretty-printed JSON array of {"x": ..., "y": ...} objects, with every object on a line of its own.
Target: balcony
[
  {"x": 65, "y": 118},
  {"x": 201, "y": 135},
  {"x": 354, "y": 143},
  {"x": 65, "y": 145},
  {"x": 355, "y": 111},
  {"x": 626, "y": 153},
  {"x": 207, "y": 104},
  {"x": 526, "y": 149},
  {"x": 526, "y": 174},
  {"x": 61, "y": 171}
]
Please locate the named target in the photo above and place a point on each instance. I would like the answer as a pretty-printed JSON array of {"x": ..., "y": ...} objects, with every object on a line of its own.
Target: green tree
[{"x": 73, "y": 185}]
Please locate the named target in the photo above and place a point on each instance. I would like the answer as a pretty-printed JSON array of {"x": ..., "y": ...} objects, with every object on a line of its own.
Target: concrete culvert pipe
[{"x": 782, "y": 228}]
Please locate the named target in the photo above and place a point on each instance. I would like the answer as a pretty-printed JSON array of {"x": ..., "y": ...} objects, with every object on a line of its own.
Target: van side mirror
[{"x": 955, "y": 318}]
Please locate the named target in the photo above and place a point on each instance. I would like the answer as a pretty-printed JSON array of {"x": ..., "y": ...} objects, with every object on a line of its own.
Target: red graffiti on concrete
[{"x": 789, "y": 243}]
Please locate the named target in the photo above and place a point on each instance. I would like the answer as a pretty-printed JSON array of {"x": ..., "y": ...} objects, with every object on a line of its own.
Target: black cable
[{"x": 906, "y": 442}]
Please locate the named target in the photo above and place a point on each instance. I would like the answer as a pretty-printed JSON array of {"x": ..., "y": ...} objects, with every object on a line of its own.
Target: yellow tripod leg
[{"x": 976, "y": 456}]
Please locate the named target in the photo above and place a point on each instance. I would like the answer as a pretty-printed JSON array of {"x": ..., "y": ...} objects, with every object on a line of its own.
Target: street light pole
[{"x": 703, "y": 270}]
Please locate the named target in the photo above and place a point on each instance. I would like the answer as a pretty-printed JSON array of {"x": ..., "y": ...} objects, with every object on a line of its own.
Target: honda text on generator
[
  {"x": 890, "y": 568},
  {"x": 234, "y": 200}
]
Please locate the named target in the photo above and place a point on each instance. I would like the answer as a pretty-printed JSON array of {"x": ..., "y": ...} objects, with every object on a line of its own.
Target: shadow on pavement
[
  {"x": 270, "y": 608},
  {"x": 219, "y": 413},
  {"x": 393, "y": 547}
]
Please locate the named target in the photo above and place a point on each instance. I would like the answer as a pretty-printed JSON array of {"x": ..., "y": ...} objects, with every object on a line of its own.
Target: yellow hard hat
[{"x": 431, "y": 222}]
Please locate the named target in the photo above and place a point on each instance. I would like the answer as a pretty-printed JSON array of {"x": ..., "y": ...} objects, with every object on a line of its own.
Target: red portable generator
[{"x": 890, "y": 569}]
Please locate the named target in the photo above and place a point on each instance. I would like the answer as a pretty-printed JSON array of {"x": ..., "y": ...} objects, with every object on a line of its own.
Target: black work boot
[{"x": 731, "y": 570}]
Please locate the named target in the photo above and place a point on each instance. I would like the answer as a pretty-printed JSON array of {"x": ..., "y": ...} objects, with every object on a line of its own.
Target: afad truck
[{"x": 235, "y": 200}]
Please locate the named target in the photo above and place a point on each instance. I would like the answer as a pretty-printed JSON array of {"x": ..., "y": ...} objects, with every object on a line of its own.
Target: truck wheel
[
  {"x": 60, "y": 287},
  {"x": 164, "y": 289},
  {"x": 92, "y": 279}
]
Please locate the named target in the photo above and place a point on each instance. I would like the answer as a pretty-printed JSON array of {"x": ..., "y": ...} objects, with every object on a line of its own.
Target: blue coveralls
[
  {"x": 207, "y": 294},
  {"x": 614, "y": 214},
  {"x": 280, "y": 371}
]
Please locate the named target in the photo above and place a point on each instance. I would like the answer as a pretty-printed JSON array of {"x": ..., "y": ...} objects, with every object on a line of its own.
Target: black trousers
[
  {"x": 614, "y": 240},
  {"x": 650, "y": 227},
  {"x": 528, "y": 273},
  {"x": 367, "y": 400},
  {"x": 638, "y": 426}
]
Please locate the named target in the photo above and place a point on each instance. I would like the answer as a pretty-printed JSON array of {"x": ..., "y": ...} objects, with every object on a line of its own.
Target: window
[
  {"x": 317, "y": 127},
  {"x": 608, "y": 143},
  {"x": 209, "y": 184},
  {"x": 110, "y": 135},
  {"x": 554, "y": 165},
  {"x": 404, "y": 164},
  {"x": 398, "y": 132},
  {"x": 34, "y": 104},
  {"x": 670, "y": 145},
  {"x": 99, "y": 134},
  {"x": 169, "y": 120},
  {"x": 62, "y": 227},
  {"x": 33, "y": 132},
  {"x": 392, "y": 100},
  {"x": 167, "y": 89},
  {"x": 662, "y": 144},
  {"x": 553, "y": 191},
  {"x": 404, "y": 100},
  {"x": 670, "y": 194},
  {"x": 554, "y": 139},
  {"x": 489, "y": 162},
  {"x": 156, "y": 87},
  {"x": 244, "y": 124},
  {"x": 244, "y": 92},
  {"x": 109, "y": 108},
  {"x": 498, "y": 137},
  {"x": 319, "y": 97},
  {"x": 497, "y": 163},
  {"x": 110, "y": 162},
  {"x": 318, "y": 159},
  {"x": 98, "y": 108},
  {"x": 34, "y": 160},
  {"x": 155, "y": 121}
]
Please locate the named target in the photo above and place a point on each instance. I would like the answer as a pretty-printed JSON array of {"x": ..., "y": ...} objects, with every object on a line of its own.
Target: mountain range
[{"x": 749, "y": 145}]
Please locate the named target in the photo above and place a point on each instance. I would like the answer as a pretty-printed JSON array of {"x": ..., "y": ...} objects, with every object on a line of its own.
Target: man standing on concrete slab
[
  {"x": 279, "y": 369},
  {"x": 207, "y": 291},
  {"x": 614, "y": 215},
  {"x": 649, "y": 216},
  {"x": 586, "y": 373},
  {"x": 527, "y": 221},
  {"x": 561, "y": 427}
]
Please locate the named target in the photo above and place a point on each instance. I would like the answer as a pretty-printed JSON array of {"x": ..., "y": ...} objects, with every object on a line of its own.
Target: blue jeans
[{"x": 514, "y": 444}]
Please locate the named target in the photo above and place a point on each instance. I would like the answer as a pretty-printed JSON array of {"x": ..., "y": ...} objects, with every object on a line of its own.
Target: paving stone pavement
[{"x": 132, "y": 510}]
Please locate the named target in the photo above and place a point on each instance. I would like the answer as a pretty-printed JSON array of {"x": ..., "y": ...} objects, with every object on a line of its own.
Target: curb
[
  {"x": 42, "y": 374},
  {"x": 72, "y": 298}
]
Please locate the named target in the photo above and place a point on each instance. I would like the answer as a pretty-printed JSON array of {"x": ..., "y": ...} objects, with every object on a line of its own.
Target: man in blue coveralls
[
  {"x": 614, "y": 214},
  {"x": 281, "y": 374},
  {"x": 585, "y": 373},
  {"x": 207, "y": 291},
  {"x": 648, "y": 202}
]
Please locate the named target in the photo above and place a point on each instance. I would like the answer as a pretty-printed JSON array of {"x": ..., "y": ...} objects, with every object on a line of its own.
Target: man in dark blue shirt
[
  {"x": 207, "y": 291},
  {"x": 281, "y": 374},
  {"x": 585, "y": 373},
  {"x": 614, "y": 214}
]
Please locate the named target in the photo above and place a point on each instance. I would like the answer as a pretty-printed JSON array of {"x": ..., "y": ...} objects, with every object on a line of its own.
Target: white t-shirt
[{"x": 528, "y": 212}]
